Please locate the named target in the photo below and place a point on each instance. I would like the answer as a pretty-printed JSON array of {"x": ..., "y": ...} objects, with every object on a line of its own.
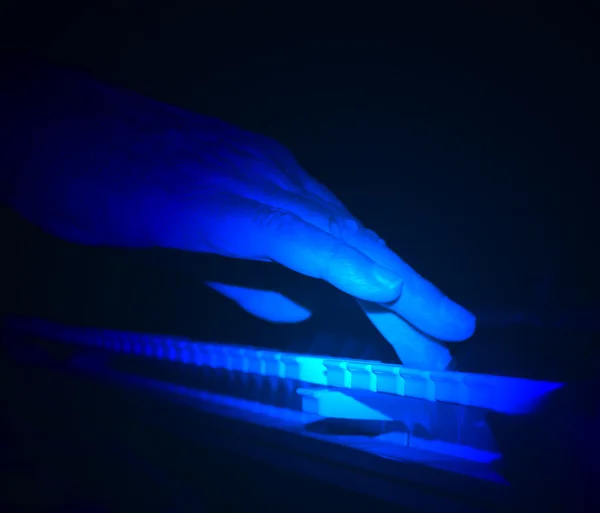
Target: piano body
[{"x": 379, "y": 434}]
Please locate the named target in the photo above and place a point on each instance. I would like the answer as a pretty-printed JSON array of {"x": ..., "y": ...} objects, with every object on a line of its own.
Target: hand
[
  {"x": 113, "y": 168},
  {"x": 249, "y": 198}
]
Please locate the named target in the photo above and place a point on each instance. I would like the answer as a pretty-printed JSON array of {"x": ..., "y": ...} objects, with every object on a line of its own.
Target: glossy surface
[{"x": 498, "y": 393}]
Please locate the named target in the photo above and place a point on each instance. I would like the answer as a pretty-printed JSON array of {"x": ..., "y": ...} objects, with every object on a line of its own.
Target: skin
[{"x": 96, "y": 165}]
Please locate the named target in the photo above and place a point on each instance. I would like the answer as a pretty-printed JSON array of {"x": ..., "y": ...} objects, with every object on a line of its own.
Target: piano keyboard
[{"x": 435, "y": 418}]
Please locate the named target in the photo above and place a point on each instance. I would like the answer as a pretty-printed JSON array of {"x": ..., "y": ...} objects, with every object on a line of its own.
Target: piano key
[{"x": 498, "y": 393}]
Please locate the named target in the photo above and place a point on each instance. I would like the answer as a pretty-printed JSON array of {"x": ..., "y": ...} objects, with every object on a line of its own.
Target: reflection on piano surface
[{"x": 435, "y": 419}]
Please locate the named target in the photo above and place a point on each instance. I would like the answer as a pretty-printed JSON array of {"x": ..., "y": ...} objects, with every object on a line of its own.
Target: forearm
[{"x": 78, "y": 158}]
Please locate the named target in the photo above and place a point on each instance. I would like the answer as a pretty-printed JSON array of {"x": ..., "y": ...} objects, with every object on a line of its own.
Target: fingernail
[
  {"x": 387, "y": 277},
  {"x": 456, "y": 314}
]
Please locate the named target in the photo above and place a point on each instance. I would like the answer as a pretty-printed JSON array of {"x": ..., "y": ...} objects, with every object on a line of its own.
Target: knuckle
[
  {"x": 277, "y": 219},
  {"x": 344, "y": 226}
]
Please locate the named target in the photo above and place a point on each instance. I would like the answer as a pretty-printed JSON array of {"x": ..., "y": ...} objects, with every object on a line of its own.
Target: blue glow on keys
[{"x": 502, "y": 394}]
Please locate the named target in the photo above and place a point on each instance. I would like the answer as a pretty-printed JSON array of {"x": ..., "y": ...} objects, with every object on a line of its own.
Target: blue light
[
  {"x": 498, "y": 393},
  {"x": 419, "y": 409},
  {"x": 264, "y": 304}
]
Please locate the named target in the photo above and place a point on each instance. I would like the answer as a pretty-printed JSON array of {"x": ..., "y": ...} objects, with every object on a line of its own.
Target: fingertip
[
  {"x": 412, "y": 347},
  {"x": 452, "y": 331},
  {"x": 424, "y": 306},
  {"x": 461, "y": 323}
]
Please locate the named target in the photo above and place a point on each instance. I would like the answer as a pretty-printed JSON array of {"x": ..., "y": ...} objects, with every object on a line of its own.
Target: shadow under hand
[
  {"x": 164, "y": 291},
  {"x": 337, "y": 326}
]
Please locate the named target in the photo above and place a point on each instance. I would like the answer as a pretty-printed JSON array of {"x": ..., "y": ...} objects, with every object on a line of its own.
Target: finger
[
  {"x": 421, "y": 303},
  {"x": 413, "y": 348},
  {"x": 309, "y": 208},
  {"x": 425, "y": 305},
  {"x": 313, "y": 210},
  {"x": 265, "y": 304},
  {"x": 245, "y": 228}
]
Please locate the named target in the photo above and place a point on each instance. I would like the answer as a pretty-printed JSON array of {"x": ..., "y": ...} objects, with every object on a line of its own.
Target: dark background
[{"x": 465, "y": 137}]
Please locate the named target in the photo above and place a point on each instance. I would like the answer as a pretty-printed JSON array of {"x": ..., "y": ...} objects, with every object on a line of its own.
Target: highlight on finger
[
  {"x": 311, "y": 251},
  {"x": 244, "y": 228},
  {"x": 421, "y": 303},
  {"x": 412, "y": 347}
]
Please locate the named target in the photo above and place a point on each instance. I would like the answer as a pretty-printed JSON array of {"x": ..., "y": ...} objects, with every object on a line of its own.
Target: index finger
[{"x": 421, "y": 303}]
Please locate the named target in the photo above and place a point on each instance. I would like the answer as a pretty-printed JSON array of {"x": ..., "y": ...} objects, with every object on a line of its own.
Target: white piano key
[
  {"x": 291, "y": 366},
  {"x": 499, "y": 393},
  {"x": 337, "y": 405},
  {"x": 337, "y": 374},
  {"x": 273, "y": 365},
  {"x": 361, "y": 376},
  {"x": 388, "y": 379},
  {"x": 311, "y": 369},
  {"x": 450, "y": 387},
  {"x": 256, "y": 364},
  {"x": 238, "y": 359},
  {"x": 418, "y": 384}
]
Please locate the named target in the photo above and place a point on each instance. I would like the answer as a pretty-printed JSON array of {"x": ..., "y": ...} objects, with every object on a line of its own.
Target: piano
[{"x": 379, "y": 435}]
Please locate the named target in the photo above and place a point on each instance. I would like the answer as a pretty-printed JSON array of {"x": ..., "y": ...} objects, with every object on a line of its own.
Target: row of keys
[{"x": 498, "y": 393}]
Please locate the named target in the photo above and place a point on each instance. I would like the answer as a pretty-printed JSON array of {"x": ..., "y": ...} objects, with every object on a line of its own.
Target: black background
[{"x": 464, "y": 137}]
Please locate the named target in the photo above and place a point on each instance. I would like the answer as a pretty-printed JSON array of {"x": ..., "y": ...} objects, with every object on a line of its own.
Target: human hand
[
  {"x": 114, "y": 168},
  {"x": 261, "y": 205}
]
